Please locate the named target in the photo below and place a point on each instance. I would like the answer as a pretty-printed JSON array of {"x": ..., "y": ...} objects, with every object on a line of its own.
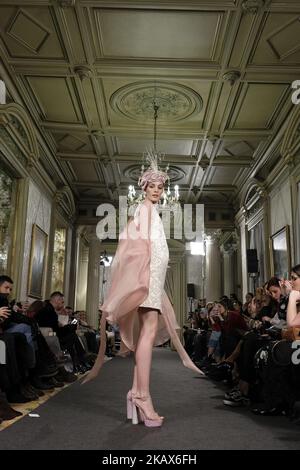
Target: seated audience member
[
  {"x": 48, "y": 317},
  {"x": 200, "y": 333},
  {"x": 216, "y": 320},
  {"x": 16, "y": 322},
  {"x": 243, "y": 355},
  {"x": 22, "y": 327},
  {"x": 293, "y": 317},
  {"x": 233, "y": 328},
  {"x": 279, "y": 291},
  {"x": 249, "y": 297},
  {"x": 89, "y": 333},
  {"x": 13, "y": 368}
]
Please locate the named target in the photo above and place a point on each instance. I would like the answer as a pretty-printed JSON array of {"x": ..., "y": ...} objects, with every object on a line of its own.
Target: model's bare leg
[
  {"x": 143, "y": 358},
  {"x": 134, "y": 383}
]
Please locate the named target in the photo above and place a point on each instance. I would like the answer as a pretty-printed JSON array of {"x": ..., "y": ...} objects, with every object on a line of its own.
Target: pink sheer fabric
[{"x": 130, "y": 274}]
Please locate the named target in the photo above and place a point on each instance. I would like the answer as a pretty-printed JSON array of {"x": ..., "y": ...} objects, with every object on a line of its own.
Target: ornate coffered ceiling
[{"x": 221, "y": 72}]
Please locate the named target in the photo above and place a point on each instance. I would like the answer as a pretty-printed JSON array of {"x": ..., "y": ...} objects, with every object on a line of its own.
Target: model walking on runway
[{"x": 136, "y": 299}]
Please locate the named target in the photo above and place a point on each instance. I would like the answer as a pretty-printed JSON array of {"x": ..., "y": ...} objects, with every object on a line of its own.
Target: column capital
[{"x": 213, "y": 236}]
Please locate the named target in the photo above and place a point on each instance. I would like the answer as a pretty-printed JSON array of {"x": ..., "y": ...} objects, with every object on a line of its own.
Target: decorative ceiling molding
[
  {"x": 65, "y": 200},
  {"x": 252, "y": 6},
  {"x": 19, "y": 28},
  {"x": 291, "y": 140},
  {"x": 66, "y": 3},
  {"x": 86, "y": 96},
  {"x": 176, "y": 102},
  {"x": 253, "y": 196},
  {"x": 18, "y": 125},
  {"x": 232, "y": 76},
  {"x": 83, "y": 71}
]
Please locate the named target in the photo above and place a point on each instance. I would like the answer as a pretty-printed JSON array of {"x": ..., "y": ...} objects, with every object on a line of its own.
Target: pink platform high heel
[
  {"x": 129, "y": 404},
  {"x": 139, "y": 415}
]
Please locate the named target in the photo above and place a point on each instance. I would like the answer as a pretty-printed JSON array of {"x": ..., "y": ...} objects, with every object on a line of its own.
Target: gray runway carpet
[{"x": 93, "y": 416}]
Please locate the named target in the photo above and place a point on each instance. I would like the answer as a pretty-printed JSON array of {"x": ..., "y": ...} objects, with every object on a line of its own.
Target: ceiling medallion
[{"x": 176, "y": 102}]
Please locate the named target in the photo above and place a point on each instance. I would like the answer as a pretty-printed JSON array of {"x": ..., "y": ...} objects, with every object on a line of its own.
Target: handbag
[{"x": 291, "y": 334}]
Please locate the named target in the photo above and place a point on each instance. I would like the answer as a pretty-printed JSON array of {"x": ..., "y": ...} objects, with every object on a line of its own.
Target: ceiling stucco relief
[
  {"x": 87, "y": 72},
  {"x": 176, "y": 102}
]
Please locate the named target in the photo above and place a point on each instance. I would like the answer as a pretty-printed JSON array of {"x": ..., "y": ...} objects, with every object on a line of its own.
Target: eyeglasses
[{"x": 294, "y": 278}]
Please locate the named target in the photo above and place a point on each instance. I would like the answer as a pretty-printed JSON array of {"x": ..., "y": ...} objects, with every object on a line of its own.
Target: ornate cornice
[
  {"x": 291, "y": 141},
  {"x": 65, "y": 200},
  {"x": 18, "y": 134}
]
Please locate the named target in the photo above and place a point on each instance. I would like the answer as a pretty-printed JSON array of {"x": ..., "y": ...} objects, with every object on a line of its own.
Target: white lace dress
[{"x": 158, "y": 263}]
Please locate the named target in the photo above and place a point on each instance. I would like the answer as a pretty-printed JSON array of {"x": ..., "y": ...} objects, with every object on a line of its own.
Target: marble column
[
  {"x": 228, "y": 272},
  {"x": 71, "y": 266},
  {"x": 213, "y": 269},
  {"x": 194, "y": 273},
  {"x": 241, "y": 220},
  {"x": 81, "y": 272},
  {"x": 176, "y": 290},
  {"x": 93, "y": 281}
]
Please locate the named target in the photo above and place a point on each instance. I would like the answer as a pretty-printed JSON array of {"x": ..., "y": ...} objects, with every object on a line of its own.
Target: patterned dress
[{"x": 158, "y": 263}]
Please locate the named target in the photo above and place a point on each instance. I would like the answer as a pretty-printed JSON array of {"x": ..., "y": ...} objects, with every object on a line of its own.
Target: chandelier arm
[
  {"x": 156, "y": 108},
  {"x": 153, "y": 157}
]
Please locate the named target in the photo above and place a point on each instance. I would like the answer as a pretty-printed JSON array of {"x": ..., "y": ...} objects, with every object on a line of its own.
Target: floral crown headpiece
[{"x": 153, "y": 173}]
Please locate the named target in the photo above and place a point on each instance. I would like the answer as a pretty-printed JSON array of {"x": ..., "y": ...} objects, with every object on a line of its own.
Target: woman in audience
[
  {"x": 216, "y": 320},
  {"x": 293, "y": 318},
  {"x": 137, "y": 301},
  {"x": 279, "y": 291}
]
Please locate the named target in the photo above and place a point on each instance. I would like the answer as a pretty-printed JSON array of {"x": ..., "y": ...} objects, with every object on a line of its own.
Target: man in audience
[{"x": 48, "y": 317}]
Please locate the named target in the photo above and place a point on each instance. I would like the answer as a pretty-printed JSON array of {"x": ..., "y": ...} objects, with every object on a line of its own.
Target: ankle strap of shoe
[{"x": 142, "y": 397}]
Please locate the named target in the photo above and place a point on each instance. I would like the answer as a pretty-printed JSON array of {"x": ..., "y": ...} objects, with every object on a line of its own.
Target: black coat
[
  {"x": 47, "y": 317},
  {"x": 14, "y": 317}
]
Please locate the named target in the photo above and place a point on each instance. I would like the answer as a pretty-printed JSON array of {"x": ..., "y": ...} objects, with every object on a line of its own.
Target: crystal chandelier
[{"x": 169, "y": 199}]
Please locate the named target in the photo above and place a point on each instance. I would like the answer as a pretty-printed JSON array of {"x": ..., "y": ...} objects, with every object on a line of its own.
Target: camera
[{"x": 74, "y": 322}]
